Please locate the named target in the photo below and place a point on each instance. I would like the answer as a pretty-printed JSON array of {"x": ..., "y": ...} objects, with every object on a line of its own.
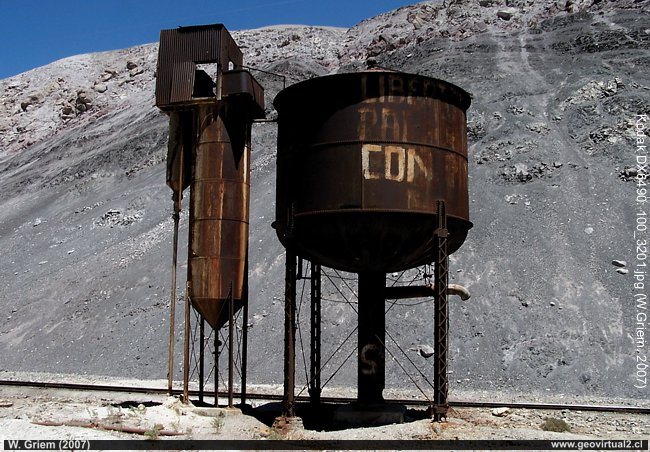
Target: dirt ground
[{"x": 34, "y": 413}]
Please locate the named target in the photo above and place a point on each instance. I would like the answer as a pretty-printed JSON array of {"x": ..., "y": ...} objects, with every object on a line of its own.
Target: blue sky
[{"x": 34, "y": 33}]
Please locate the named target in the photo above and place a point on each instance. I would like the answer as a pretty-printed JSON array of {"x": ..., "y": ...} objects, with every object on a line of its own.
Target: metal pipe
[
  {"x": 403, "y": 292},
  {"x": 172, "y": 316}
]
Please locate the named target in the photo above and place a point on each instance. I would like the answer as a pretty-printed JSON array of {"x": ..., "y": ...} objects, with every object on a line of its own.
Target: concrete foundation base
[{"x": 358, "y": 415}]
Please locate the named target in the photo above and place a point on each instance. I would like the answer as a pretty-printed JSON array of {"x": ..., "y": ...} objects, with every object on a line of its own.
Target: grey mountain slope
[{"x": 86, "y": 229}]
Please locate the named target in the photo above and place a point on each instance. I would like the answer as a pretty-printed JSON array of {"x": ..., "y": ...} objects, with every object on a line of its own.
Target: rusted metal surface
[
  {"x": 362, "y": 160},
  {"x": 241, "y": 85},
  {"x": 219, "y": 204},
  {"x": 180, "y": 51}
]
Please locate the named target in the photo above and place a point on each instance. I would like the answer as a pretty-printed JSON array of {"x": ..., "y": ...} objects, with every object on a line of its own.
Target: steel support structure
[
  {"x": 289, "y": 399},
  {"x": 315, "y": 336},
  {"x": 441, "y": 318}
]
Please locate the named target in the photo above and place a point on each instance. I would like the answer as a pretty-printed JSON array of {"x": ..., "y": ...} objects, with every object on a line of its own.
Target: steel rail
[{"x": 278, "y": 397}]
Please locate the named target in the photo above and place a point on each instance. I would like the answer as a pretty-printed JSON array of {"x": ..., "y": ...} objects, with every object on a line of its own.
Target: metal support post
[
  {"x": 441, "y": 321},
  {"x": 216, "y": 368},
  {"x": 244, "y": 352},
  {"x": 315, "y": 355},
  {"x": 288, "y": 403},
  {"x": 186, "y": 347},
  {"x": 231, "y": 344},
  {"x": 371, "y": 338},
  {"x": 201, "y": 358}
]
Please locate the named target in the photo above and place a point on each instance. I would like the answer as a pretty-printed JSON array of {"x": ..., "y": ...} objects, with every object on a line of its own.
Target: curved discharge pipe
[{"x": 400, "y": 292}]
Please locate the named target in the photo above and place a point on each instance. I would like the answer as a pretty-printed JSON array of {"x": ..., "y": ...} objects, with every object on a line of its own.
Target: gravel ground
[{"x": 101, "y": 415}]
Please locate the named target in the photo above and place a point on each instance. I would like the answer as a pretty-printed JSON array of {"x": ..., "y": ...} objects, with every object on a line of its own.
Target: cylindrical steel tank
[
  {"x": 362, "y": 160},
  {"x": 219, "y": 204}
]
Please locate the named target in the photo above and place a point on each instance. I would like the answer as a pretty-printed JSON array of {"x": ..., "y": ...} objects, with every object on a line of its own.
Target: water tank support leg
[
  {"x": 244, "y": 351},
  {"x": 371, "y": 338},
  {"x": 201, "y": 359},
  {"x": 186, "y": 347},
  {"x": 315, "y": 346},
  {"x": 288, "y": 403},
  {"x": 441, "y": 320},
  {"x": 216, "y": 367},
  {"x": 231, "y": 346}
]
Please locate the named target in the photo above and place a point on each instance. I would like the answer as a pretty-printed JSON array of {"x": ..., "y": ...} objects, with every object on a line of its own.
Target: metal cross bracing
[
  {"x": 215, "y": 359},
  {"x": 441, "y": 319},
  {"x": 329, "y": 292}
]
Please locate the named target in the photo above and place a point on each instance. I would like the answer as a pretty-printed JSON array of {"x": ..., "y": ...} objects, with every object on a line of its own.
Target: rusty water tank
[
  {"x": 362, "y": 160},
  {"x": 219, "y": 205}
]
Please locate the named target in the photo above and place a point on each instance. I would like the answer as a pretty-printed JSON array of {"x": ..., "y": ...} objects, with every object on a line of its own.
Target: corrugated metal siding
[{"x": 179, "y": 52}]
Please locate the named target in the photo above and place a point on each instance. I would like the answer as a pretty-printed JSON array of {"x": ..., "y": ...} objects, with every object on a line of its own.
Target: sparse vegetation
[
  {"x": 218, "y": 421},
  {"x": 276, "y": 434},
  {"x": 154, "y": 432},
  {"x": 552, "y": 424}
]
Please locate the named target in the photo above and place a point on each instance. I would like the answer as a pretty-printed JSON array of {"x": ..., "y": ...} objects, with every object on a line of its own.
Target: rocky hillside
[{"x": 557, "y": 87}]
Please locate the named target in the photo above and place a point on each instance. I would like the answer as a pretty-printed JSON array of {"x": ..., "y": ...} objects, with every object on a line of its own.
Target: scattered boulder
[
  {"x": 136, "y": 71},
  {"x": 426, "y": 351},
  {"x": 618, "y": 263},
  {"x": 628, "y": 173},
  {"x": 622, "y": 271},
  {"x": 506, "y": 13},
  {"x": 67, "y": 110},
  {"x": 538, "y": 127},
  {"x": 107, "y": 75},
  {"x": 32, "y": 99},
  {"x": 84, "y": 101},
  {"x": 500, "y": 412},
  {"x": 130, "y": 65},
  {"x": 521, "y": 171}
]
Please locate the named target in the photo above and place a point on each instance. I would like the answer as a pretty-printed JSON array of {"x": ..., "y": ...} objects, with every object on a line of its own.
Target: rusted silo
[
  {"x": 210, "y": 127},
  {"x": 363, "y": 159},
  {"x": 219, "y": 204},
  {"x": 212, "y": 103}
]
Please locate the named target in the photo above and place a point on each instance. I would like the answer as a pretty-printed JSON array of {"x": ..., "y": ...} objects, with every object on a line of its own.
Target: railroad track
[{"x": 277, "y": 397}]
